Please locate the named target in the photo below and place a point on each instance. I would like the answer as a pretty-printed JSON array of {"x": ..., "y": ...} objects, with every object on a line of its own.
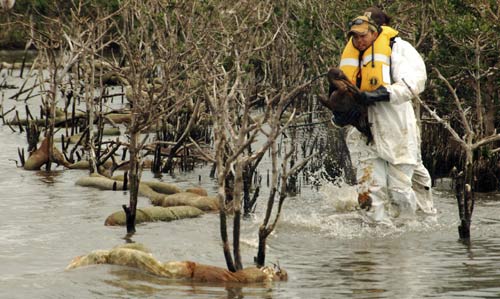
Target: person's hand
[
  {"x": 378, "y": 95},
  {"x": 346, "y": 118}
]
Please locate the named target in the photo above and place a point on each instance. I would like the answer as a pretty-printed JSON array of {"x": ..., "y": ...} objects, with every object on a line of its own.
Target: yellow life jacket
[{"x": 373, "y": 70}]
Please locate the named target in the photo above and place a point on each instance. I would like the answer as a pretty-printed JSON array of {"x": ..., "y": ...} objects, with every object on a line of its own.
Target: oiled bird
[{"x": 345, "y": 97}]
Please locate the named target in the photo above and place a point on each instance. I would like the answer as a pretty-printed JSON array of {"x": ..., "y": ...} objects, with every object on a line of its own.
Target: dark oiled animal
[{"x": 344, "y": 97}]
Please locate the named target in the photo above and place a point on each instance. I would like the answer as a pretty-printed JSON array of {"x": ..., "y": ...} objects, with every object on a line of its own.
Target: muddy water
[{"x": 45, "y": 221}]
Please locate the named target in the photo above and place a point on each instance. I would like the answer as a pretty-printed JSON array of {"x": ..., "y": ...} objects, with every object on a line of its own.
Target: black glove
[
  {"x": 345, "y": 118},
  {"x": 378, "y": 95}
]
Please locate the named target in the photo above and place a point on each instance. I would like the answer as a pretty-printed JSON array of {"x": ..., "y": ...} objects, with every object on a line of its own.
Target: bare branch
[{"x": 437, "y": 117}]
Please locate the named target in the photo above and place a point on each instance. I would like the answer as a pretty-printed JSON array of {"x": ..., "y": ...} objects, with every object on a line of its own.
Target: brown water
[{"x": 45, "y": 221}]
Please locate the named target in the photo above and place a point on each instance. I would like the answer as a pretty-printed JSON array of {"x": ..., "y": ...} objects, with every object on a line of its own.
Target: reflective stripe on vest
[{"x": 373, "y": 74}]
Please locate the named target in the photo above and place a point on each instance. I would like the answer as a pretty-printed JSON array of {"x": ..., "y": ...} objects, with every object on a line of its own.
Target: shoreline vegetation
[
  {"x": 439, "y": 157},
  {"x": 210, "y": 82}
]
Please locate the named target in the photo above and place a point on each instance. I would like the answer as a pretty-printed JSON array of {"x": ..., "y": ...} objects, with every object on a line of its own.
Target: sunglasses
[{"x": 359, "y": 22}]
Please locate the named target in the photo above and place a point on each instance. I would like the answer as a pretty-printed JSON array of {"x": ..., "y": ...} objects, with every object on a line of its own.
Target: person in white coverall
[
  {"x": 377, "y": 61},
  {"x": 421, "y": 179}
]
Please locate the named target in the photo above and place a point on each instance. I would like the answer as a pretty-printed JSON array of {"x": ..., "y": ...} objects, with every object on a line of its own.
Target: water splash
[
  {"x": 341, "y": 196},
  {"x": 334, "y": 212}
]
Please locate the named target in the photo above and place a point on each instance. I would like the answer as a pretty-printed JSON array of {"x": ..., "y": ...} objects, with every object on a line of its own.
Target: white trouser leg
[
  {"x": 400, "y": 188},
  {"x": 372, "y": 180},
  {"x": 422, "y": 183},
  {"x": 371, "y": 175}
]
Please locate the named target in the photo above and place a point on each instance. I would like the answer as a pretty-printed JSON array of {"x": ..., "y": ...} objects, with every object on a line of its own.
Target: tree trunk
[
  {"x": 249, "y": 203},
  {"x": 225, "y": 241},
  {"x": 465, "y": 198},
  {"x": 261, "y": 252},
  {"x": 133, "y": 182},
  {"x": 89, "y": 102},
  {"x": 221, "y": 194},
  {"x": 490, "y": 109},
  {"x": 247, "y": 185},
  {"x": 238, "y": 187},
  {"x": 52, "y": 115}
]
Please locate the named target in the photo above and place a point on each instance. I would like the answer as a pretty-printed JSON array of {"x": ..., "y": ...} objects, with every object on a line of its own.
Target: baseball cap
[{"x": 361, "y": 25}]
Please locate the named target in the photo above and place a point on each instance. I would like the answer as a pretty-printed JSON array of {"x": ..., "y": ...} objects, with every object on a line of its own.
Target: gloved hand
[
  {"x": 378, "y": 95},
  {"x": 345, "y": 118}
]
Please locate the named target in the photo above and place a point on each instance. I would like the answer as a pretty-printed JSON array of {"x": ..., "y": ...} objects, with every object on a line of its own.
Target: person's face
[{"x": 363, "y": 41}]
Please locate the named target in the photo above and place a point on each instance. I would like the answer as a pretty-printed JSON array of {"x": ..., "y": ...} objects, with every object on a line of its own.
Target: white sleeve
[{"x": 407, "y": 64}]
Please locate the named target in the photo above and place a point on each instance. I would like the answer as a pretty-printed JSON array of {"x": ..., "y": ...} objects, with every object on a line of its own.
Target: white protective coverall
[
  {"x": 385, "y": 168},
  {"x": 422, "y": 183}
]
